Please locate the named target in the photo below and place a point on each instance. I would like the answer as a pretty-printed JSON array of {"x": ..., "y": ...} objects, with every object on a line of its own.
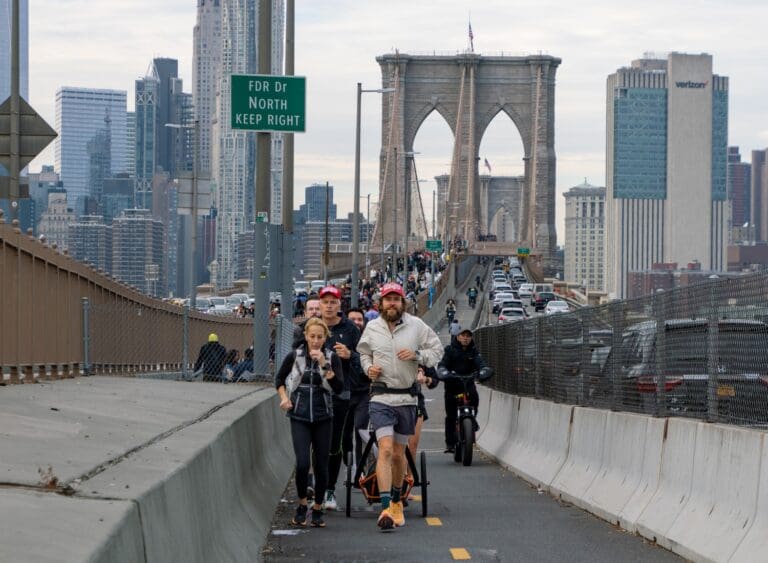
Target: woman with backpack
[{"x": 305, "y": 382}]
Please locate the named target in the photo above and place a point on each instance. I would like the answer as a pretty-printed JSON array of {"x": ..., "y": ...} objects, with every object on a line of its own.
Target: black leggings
[
  {"x": 317, "y": 435},
  {"x": 340, "y": 409}
]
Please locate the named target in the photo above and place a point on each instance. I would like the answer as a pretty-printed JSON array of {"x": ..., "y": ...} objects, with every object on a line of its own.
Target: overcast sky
[{"x": 110, "y": 44}]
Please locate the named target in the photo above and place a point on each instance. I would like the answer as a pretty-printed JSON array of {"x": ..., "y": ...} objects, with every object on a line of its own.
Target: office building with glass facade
[
  {"x": 83, "y": 115},
  {"x": 666, "y": 165}
]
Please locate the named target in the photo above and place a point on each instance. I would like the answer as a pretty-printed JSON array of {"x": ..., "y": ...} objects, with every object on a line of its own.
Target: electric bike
[{"x": 466, "y": 413}]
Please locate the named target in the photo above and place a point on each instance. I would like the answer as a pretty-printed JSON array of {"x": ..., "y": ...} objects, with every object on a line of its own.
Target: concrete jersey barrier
[
  {"x": 198, "y": 482},
  {"x": 540, "y": 444},
  {"x": 501, "y": 426},
  {"x": 675, "y": 480},
  {"x": 585, "y": 456},
  {"x": 726, "y": 471},
  {"x": 208, "y": 492},
  {"x": 754, "y": 546},
  {"x": 622, "y": 465},
  {"x": 649, "y": 474}
]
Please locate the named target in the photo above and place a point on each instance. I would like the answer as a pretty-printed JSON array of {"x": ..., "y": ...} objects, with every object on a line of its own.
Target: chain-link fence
[
  {"x": 128, "y": 338},
  {"x": 698, "y": 351}
]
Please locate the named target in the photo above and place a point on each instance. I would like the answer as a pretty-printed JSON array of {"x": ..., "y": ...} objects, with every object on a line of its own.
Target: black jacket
[
  {"x": 463, "y": 361},
  {"x": 347, "y": 333},
  {"x": 211, "y": 358},
  {"x": 314, "y": 405}
]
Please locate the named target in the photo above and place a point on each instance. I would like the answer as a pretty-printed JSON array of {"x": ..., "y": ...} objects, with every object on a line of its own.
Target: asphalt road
[{"x": 482, "y": 510}]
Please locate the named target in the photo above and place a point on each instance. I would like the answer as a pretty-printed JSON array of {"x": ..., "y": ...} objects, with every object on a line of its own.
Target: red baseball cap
[
  {"x": 330, "y": 290},
  {"x": 388, "y": 288}
]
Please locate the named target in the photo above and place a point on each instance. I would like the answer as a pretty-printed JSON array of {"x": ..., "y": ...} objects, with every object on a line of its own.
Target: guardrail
[
  {"x": 42, "y": 312},
  {"x": 700, "y": 351}
]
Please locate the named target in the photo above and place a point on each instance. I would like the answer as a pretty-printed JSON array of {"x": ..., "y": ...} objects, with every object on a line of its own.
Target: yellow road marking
[
  {"x": 433, "y": 521},
  {"x": 417, "y": 498},
  {"x": 460, "y": 554}
]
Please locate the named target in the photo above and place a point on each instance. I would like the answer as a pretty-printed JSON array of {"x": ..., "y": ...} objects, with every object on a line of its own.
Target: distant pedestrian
[{"x": 211, "y": 358}]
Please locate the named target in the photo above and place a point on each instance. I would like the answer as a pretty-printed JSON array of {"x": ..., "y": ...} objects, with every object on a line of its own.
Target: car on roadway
[
  {"x": 219, "y": 306},
  {"x": 556, "y": 306},
  {"x": 234, "y": 300},
  {"x": 541, "y": 299},
  {"x": 511, "y": 302},
  {"x": 203, "y": 304},
  {"x": 525, "y": 289},
  {"x": 301, "y": 287},
  {"x": 316, "y": 285},
  {"x": 512, "y": 314},
  {"x": 501, "y": 296},
  {"x": 741, "y": 357}
]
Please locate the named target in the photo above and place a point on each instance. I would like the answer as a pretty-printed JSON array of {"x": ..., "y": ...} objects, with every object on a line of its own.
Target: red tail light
[{"x": 647, "y": 383}]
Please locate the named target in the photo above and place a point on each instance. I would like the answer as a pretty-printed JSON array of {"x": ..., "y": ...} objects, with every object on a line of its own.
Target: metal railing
[{"x": 699, "y": 351}]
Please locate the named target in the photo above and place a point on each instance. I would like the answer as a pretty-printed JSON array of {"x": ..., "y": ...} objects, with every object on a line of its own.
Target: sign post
[{"x": 434, "y": 245}]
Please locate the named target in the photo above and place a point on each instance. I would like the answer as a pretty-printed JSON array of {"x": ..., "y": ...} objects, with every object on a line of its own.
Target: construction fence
[{"x": 699, "y": 351}]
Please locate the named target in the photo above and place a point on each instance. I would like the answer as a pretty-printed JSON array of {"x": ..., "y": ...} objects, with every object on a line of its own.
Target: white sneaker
[{"x": 330, "y": 501}]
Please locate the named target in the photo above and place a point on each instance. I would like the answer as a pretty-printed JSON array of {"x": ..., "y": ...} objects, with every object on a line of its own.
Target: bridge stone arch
[{"x": 468, "y": 91}]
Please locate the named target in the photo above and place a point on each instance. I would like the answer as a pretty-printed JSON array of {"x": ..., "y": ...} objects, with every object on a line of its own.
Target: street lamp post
[
  {"x": 368, "y": 235},
  {"x": 432, "y": 261},
  {"x": 356, "y": 218}
]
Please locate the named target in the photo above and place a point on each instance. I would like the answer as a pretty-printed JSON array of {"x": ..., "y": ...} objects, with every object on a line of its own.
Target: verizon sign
[{"x": 691, "y": 85}]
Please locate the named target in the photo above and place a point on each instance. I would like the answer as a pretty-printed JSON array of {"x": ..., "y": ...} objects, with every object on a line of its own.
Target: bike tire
[
  {"x": 348, "y": 498},
  {"x": 467, "y": 442},
  {"x": 424, "y": 483},
  {"x": 457, "y": 450}
]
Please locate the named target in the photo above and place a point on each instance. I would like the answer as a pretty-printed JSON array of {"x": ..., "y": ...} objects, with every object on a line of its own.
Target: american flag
[
  {"x": 487, "y": 165},
  {"x": 471, "y": 39}
]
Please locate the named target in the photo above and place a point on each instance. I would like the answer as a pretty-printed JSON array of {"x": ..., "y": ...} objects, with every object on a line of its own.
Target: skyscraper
[
  {"x": 205, "y": 70},
  {"x": 759, "y": 188},
  {"x": 80, "y": 116},
  {"x": 314, "y": 208},
  {"x": 137, "y": 251},
  {"x": 234, "y": 152},
  {"x": 90, "y": 241},
  {"x": 739, "y": 180},
  {"x": 167, "y": 74},
  {"x": 130, "y": 143},
  {"x": 585, "y": 235},
  {"x": 147, "y": 94},
  {"x": 666, "y": 193},
  {"x": 5, "y": 49}
]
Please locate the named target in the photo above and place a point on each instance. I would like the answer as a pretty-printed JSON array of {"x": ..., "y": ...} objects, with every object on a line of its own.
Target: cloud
[{"x": 109, "y": 45}]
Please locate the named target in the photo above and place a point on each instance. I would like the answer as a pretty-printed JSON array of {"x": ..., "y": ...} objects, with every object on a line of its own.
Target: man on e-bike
[{"x": 462, "y": 357}]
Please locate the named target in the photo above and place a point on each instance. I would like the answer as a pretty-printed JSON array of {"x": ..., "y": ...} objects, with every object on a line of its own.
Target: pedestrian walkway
[{"x": 480, "y": 513}]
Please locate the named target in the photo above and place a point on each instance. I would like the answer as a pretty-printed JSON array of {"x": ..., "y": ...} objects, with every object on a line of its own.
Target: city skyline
[{"x": 335, "y": 52}]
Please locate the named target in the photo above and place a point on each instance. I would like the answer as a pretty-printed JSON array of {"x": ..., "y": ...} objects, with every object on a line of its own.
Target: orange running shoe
[{"x": 386, "y": 522}]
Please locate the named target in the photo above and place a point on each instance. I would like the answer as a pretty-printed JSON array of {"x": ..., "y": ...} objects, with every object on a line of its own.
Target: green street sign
[
  {"x": 265, "y": 102},
  {"x": 262, "y": 217},
  {"x": 435, "y": 245},
  {"x": 523, "y": 251}
]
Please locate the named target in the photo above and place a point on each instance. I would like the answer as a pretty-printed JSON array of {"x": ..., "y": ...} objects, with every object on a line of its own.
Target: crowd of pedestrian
[{"x": 352, "y": 372}]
